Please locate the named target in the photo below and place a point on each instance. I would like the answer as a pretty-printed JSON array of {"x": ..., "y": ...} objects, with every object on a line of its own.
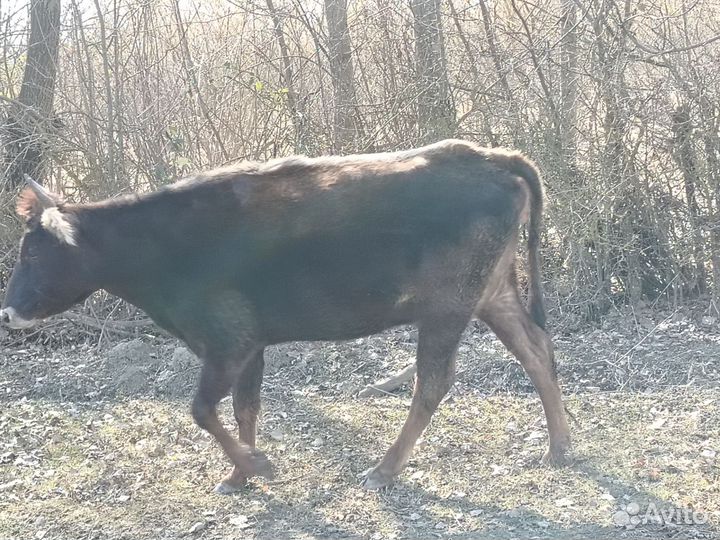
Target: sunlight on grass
[{"x": 125, "y": 465}]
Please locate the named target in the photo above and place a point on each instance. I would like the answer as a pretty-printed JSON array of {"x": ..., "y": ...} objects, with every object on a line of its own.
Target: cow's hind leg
[
  {"x": 216, "y": 379},
  {"x": 530, "y": 344},
  {"x": 437, "y": 341},
  {"x": 246, "y": 406}
]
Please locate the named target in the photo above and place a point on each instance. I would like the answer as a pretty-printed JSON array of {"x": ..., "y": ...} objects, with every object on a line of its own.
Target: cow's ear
[
  {"x": 28, "y": 205},
  {"x": 34, "y": 200}
]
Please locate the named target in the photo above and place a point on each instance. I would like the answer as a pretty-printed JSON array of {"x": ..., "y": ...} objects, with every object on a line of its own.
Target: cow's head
[{"x": 51, "y": 273}]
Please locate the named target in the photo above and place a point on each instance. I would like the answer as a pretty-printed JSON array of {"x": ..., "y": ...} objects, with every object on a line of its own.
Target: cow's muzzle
[{"x": 9, "y": 317}]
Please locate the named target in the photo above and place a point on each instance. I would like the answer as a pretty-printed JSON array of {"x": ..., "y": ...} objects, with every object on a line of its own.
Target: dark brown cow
[{"x": 239, "y": 258}]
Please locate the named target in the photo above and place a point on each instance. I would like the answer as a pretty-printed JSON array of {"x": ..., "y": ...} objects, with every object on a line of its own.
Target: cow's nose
[{"x": 4, "y": 317}]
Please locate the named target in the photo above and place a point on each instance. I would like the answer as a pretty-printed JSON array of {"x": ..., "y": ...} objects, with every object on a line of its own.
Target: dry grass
[{"x": 113, "y": 467}]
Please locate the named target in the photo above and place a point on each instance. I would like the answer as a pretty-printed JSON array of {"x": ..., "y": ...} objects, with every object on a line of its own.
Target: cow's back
[
  {"x": 334, "y": 248},
  {"x": 324, "y": 248}
]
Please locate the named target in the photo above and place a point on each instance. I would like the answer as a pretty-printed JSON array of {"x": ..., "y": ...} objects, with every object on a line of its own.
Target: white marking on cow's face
[
  {"x": 57, "y": 224},
  {"x": 9, "y": 317}
]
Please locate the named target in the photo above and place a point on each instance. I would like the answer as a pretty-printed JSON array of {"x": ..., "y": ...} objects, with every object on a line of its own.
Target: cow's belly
[{"x": 314, "y": 309}]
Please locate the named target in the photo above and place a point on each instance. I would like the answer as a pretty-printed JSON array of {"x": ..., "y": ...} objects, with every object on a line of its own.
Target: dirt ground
[{"x": 97, "y": 442}]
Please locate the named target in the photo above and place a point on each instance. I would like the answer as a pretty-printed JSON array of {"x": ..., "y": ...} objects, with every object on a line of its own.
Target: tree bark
[
  {"x": 295, "y": 106},
  {"x": 345, "y": 118},
  {"x": 190, "y": 69},
  {"x": 30, "y": 117},
  {"x": 568, "y": 82},
  {"x": 436, "y": 111},
  {"x": 685, "y": 156}
]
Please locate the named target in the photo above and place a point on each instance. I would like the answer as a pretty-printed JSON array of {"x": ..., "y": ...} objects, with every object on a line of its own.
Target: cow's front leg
[
  {"x": 216, "y": 378},
  {"x": 437, "y": 342},
  {"x": 246, "y": 405}
]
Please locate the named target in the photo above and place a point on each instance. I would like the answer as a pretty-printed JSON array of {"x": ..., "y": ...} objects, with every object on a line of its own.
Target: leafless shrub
[{"x": 617, "y": 101}]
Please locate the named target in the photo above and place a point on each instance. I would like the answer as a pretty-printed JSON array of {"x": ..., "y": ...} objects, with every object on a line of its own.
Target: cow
[{"x": 302, "y": 249}]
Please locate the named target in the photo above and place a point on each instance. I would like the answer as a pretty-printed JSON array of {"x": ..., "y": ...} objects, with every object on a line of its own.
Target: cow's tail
[{"x": 526, "y": 169}]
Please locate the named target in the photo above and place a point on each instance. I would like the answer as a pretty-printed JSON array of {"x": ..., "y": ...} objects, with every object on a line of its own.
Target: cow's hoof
[
  {"x": 377, "y": 480},
  {"x": 232, "y": 483},
  {"x": 226, "y": 488},
  {"x": 558, "y": 457}
]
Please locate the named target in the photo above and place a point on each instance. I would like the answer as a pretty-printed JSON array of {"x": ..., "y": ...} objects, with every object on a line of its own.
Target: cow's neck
[{"x": 143, "y": 246}]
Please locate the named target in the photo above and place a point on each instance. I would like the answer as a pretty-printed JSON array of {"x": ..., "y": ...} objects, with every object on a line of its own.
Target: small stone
[
  {"x": 131, "y": 380},
  {"x": 276, "y": 435},
  {"x": 658, "y": 424},
  {"x": 197, "y": 527},
  {"x": 564, "y": 503},
  {"x": 7, "y": 486},
  {"x": 635, "y": 520},
  {"x": 708, "y": 453},
  {"x": 476, "y": 512},
  {"x": 535, "y": 435},
  {"x": 134, "y": 351},
  {"x": 317, "y": 442},
  {"x": 240, "y": 521},
  {"x": 414, "y": 516},
  {"x": 183, "y": 359},
  {"x": 621, "y": 518},
  {"x": 632, "y": 508}
]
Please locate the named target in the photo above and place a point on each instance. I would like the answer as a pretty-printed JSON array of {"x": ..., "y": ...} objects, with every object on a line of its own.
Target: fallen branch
[
  {"x": 126, "y": 328},
  {"x": 391, "y": 383},
  {"x": 96, "y": 322}
]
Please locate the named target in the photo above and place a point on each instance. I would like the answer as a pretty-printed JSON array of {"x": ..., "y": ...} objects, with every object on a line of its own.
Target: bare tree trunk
[
  {"x": 30, "y": 117},
  {"x": 685, "y": 157},
  {"x": 86, "y": 78},
  {"x": 193, "y": 81},
  {"x": 494, "y": 53},
  {"x": 612, "y": 158},
  {"x": 711, "y": 143},
  {"x": 511, "y": 110},
  {"x": 117, "y": 68},
  {"x": 110, "y": 168},
  {"x": 612, "y": 57},
  {"x": 542, "y": 79},
  {"x": 346, "y": 126},
  {"x": 296, "y": 110},
  {"x": 436, "y": 111},
  {"x": 568, "y": 82}
]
